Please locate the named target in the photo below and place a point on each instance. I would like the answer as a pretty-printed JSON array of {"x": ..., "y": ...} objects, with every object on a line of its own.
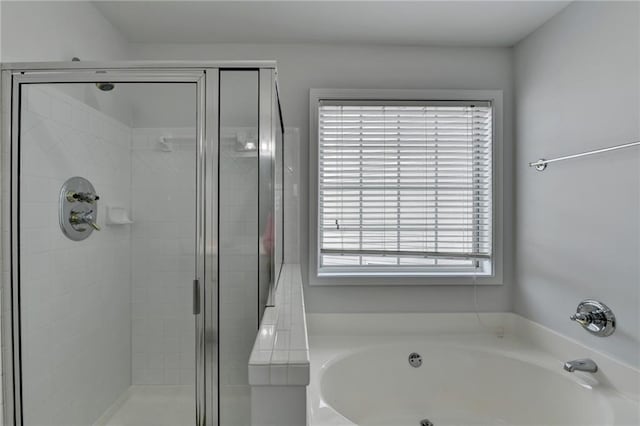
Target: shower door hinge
[{"x": 196, "y": 297}]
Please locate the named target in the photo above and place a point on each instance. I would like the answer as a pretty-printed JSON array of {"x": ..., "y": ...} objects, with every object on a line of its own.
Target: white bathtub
[{"x": 360, "y": 374}]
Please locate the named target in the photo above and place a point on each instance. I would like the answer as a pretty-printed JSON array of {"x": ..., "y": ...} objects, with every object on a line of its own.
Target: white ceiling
[{"x": 447, "y": 23}]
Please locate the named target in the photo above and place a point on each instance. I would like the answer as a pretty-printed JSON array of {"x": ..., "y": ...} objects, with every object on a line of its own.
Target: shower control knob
[
  {"x": 84, "y": 218},
  {"x": 595, "y": 317},
  {"x": 86, "y": 197},
  {"x": 582, "y": 319},
  {"x": 71, "y": 197}
]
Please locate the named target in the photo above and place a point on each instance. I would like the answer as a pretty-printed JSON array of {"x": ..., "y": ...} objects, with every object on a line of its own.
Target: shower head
[{"x": 105, "y": 87}]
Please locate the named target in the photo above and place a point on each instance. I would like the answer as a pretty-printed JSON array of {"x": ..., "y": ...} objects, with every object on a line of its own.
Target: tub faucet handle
[
  {"x": 582, "y": 319},
  {"x": 595, "y": 317}
]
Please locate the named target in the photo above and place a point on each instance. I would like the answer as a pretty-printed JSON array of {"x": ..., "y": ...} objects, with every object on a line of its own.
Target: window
[{"x": 405, "y": 187}]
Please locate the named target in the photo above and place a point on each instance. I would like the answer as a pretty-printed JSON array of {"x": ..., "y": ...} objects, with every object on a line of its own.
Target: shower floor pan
[{"x": 151, "y": 405}]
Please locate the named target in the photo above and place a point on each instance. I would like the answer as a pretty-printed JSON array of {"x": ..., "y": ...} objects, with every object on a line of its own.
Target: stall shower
[{"x": 146, "y": 214}]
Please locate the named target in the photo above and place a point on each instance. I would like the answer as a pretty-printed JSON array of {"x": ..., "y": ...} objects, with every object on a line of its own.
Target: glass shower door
[
  {"x": 239, "y": 237},
  {"x": 108, "y": 235},
  {"x": 250, "y": 246}
]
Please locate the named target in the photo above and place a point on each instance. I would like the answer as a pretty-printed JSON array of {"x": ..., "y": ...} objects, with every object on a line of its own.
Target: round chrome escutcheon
[{"x": 78, "y": 208}]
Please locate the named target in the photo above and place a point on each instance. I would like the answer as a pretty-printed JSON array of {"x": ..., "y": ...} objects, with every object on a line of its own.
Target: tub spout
[{"x": 581, "y": 365}]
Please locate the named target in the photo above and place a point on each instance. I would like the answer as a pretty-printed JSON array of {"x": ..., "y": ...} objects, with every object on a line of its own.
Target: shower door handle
[{"x": 196, "y": 297}]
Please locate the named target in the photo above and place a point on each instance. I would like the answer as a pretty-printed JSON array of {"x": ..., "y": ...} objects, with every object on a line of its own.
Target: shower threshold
[{"x": 151, "y": 405}]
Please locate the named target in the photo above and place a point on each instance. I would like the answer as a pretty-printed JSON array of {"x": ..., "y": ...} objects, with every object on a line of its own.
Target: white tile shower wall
[
  {"x": 74, "y": 295},
  {"x": 163, "y": 250}
]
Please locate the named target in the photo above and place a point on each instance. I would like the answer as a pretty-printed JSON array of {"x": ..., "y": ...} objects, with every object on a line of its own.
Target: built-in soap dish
[{"x": 118, "y": 216}]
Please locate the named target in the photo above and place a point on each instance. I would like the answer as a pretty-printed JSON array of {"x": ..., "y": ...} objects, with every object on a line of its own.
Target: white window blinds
[{"x": 405, "y": 187}]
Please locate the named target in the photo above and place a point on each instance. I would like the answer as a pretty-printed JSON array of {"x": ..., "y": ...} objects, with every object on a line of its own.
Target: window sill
[
  {"x": 342, "y": 279},
  {"x": 468, "y": 275}
]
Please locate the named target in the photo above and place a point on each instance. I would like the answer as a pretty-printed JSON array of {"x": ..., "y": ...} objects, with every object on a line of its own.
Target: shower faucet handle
[
  {"x": 86, "y": 197},
  {"x": 84, "y": 218}
]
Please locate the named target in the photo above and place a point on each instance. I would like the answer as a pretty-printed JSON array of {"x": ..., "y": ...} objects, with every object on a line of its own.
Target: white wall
[
  {"x": 76, "y": 320},
  {"x": 57, "y": 31},
  {"x": 578, "y": 222},
  {"x": 302, "y": 67}
]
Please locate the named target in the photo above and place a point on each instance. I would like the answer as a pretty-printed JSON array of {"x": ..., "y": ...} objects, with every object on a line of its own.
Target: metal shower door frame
[{"x": 206, "y": 79}]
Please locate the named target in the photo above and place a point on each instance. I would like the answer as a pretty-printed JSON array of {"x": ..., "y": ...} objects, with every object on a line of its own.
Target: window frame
[{"x": 376, "y": 276}]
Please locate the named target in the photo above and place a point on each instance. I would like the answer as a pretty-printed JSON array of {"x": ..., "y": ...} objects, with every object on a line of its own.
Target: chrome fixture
[
  {"x": 595, "y": 317},
  {"x": 415, "y": 360},
  {"x": 587, "y": 365},
  {"x": 78, "y": 208},
  {"x": 83, "y": 218},
  {"x": 86, "y": 197},
  {"x": 541, "y": 164}
]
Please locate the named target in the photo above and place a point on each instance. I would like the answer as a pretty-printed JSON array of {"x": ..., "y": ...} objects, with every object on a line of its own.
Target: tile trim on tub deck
[{"x": 280, "y": 355}]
